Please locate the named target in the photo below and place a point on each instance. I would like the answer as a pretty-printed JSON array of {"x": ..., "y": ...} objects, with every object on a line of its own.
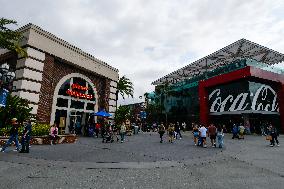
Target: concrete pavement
[{"x": 142, "y": 162}]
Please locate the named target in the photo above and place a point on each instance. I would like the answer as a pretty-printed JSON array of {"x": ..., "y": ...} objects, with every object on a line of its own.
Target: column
[
  {"x": 27, "y": 82},
  {"x": 112, "y": 98}
]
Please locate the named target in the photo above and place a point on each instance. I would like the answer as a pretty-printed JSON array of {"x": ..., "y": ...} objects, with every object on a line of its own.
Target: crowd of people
[
  {"x": 199, "y": 132},
  {"x": 215, "y": 134},
  {"x": 111, "y": 132},
  {"x": 107, "y": 131}
]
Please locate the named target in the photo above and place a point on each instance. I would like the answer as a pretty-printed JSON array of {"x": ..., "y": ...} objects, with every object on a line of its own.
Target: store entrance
[
  {"x": 78, "y": 121},
  {"x": 254, "y": 122},
  {"x": 75, "y": 120}
]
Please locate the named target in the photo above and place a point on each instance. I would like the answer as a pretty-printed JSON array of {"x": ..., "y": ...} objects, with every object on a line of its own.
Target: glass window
[
  {"x": 62, "y": 102},
  {"x": 81, "y": 82},
  {"x": 64, "y": 87},
  {"x": 77, "y": 104},
  {"x": 79, "y": 89},
  {"x": 90, "y": 106}
]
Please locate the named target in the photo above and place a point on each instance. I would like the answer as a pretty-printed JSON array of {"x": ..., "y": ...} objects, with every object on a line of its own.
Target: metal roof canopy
[{"x": 242, "y": 48}]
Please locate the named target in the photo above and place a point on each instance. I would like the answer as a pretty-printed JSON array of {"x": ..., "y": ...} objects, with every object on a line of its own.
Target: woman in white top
[{"x": 122, "y": 132}]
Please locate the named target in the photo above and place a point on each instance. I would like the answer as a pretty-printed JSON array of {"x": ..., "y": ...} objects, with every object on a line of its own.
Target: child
[
  {"x": 195, "y": 133},
  {"x": 161, "y": 132},
  {"x": 220, "y": 136}
]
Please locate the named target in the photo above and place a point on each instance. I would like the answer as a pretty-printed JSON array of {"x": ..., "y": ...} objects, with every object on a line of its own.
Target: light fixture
[
  {"x": 4, "y": 68},
  {"x": 6, "y": 77}
]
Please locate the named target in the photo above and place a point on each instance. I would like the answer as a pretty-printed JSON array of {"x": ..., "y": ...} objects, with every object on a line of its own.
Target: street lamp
[{"x": 6, "y": 77}]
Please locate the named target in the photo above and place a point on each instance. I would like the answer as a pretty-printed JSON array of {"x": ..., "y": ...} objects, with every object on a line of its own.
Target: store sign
[
  {"x": 76, "y": 89},
  {"x": 264, "y": 99}
]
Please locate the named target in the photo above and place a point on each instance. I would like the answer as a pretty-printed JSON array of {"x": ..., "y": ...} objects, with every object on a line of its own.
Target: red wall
[{"x": 234, "y": 76}]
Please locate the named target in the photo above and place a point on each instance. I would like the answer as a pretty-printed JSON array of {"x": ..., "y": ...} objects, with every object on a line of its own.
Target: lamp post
[{"x": 6, "y": 78}]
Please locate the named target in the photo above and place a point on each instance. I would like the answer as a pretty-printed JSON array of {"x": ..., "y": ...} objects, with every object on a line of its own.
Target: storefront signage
[
  {"x": 75, "y": 91},
  {"x": 264, "y": 99}
]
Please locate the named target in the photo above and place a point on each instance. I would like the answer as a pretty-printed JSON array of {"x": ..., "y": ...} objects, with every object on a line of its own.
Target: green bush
[
  {"x": 40, "y": 129},
  {"x": 16, "y": 107},
  {"x": 5, "y": 131}
]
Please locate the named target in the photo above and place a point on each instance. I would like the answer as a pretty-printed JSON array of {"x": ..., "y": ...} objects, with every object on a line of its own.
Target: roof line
[
  {"x": 61, "y": 41},
  {"x": 242, "y": 40}
]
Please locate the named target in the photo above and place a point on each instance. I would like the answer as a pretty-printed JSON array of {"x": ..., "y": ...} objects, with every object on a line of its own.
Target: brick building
[{"x": 62, "y": 83}]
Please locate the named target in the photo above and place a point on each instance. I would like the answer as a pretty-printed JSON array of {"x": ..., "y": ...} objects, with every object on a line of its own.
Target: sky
[{"x": 147, "y": 39}]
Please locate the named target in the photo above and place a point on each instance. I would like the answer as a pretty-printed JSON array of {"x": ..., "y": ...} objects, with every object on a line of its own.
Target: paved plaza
[{"x": 142, "y": 162}]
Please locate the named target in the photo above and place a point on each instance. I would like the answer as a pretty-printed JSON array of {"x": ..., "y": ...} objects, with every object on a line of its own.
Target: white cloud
[{"x": 147, "y": 39}]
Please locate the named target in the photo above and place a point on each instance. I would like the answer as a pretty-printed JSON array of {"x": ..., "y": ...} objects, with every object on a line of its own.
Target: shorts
[
  {"x": 171, "y": 133},
  {"x": 203, "y": 138},
  {"x": 195, "y": 134},
  {"x": 213, "y": 136}
]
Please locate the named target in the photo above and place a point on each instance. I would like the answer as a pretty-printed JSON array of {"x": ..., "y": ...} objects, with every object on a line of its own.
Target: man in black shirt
[
  {"x": 26, "y": 137},
  {"x": 13, "y": 135}
]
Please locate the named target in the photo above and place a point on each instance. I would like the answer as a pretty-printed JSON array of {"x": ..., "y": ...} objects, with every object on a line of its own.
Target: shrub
[
  {"x": 5, "y": 131},
  {"x": 40, "y": 129}
]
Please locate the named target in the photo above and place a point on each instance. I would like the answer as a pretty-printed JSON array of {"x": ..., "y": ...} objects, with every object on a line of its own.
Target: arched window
[{"x": 74, "y": 98}]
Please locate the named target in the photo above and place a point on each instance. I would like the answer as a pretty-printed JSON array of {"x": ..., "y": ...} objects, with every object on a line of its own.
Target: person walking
[
  {"x": 220, "y": 136},
  {"x": 262, "y": 129},
  {"x": 26, "y": 137},
  {"x": 177, "y": 130},
  {"x": 97, "y": 129},
  {"x": 161, "y": 131},
  {"x": 203, "y": 133},
  {"x": 241, "y": 131},
  {"x": 235, "y": 132},
  {"x": 274, "y": 134},
  {"x": 212, "y": 131},
  {"x": 195, "y": 133},
  {"x": 122, "y": 132},
  {"x": 183, "y": 126},
  {"x": 116, "y": 131},
  {"x": 13, "y": 135},
  {"x": 171, "y": 131}
]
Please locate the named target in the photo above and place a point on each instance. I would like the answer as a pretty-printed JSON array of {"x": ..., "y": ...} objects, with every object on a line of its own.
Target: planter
[{"x": 39, "y": 140}]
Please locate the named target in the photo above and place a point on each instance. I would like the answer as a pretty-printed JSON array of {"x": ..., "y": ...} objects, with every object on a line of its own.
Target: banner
[{"x": 3, "y": 97}]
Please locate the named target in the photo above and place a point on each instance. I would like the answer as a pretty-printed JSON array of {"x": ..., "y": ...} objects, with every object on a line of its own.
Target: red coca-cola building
[{"x": 241, "y": 83}]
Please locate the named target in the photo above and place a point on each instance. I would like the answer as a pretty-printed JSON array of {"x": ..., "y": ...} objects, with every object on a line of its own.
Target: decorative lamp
[{"x": 4, "y": 68}]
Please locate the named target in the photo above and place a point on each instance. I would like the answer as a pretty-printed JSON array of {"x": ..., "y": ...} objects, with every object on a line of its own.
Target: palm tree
[
  {"x": 10, "y": 39},
  {"x": 124, "y": 87}
]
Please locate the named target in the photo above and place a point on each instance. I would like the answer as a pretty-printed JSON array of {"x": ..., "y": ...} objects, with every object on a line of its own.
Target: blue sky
[{"x": 147, "y": 39}]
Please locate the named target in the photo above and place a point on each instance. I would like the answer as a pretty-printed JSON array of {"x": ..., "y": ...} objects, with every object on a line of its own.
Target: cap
[{"x": 14, "y": 119}]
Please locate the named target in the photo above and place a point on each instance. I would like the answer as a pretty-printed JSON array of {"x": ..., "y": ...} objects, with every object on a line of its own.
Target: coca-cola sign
[{"x": 255, "y": 96}]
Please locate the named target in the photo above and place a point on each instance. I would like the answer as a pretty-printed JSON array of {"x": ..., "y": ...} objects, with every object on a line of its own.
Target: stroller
[{"x": 108, "y": 137}]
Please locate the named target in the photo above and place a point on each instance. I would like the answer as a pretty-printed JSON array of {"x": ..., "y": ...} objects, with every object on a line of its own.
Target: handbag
[{"x": 268, "y": 137}]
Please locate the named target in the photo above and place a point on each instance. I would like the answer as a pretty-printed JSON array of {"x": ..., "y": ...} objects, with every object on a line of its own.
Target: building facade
[
  {"x": 238, "y": 84},
  {"x": 62, "y": 83}
]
